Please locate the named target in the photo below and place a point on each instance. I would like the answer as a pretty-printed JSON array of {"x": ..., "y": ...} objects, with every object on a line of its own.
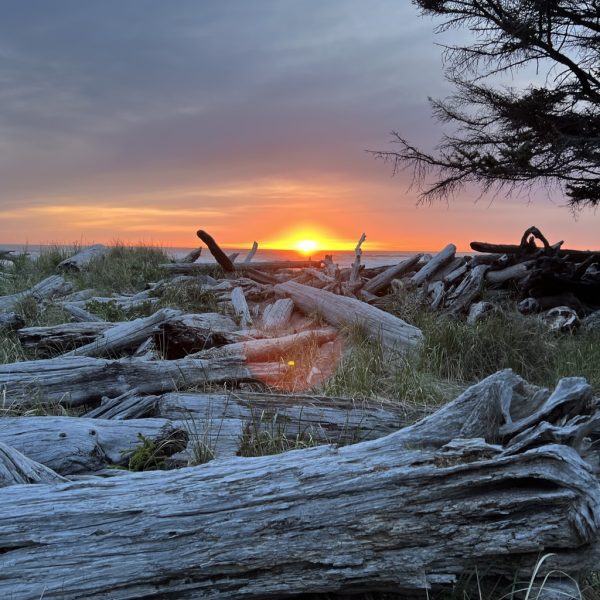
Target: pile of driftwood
[{"x": 502, "y": 476}]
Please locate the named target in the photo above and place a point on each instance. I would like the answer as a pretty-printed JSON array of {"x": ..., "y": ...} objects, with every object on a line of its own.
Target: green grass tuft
[{"x": 123, "y": 269}]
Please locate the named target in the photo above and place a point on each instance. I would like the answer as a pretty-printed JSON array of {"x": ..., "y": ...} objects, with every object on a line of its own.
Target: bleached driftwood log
[
  {"x": 16, "y": 468},
  {"x": 437, "y": 262},
  {"x": 394, "y": 333},
  {"x": 356, "y": 266},
  {"x": 240, "y": 307},
  {"x": 400, "y": 513},
  {"x": 266, "y": 265},
  {"x": 128, "y": 334},
  {"x": 123, "y": 302},
  {"x": 80, "y": 314},
  {"x": 513, "y": 272},
  {"x": 70, "y": 445},
  {"x": 278, "y": 314},
  {"x": 220, "y": 421},
  {"x": 192, "y": 256},
  {"x": 130, "y": 405},
  {"x": 77, "y": 380},
  {"x": 59, "y": 338},
  {"x": 54, "y": 285},
  {"x": 468, "y": 290},
  {"x": 383, "y": 280},
  {"x": 83, "y": 258},
  {"x": 251, "y": 254}
]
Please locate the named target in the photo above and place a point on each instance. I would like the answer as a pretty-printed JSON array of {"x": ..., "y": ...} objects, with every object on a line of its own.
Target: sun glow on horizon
[{"x": 307, "y": 246}]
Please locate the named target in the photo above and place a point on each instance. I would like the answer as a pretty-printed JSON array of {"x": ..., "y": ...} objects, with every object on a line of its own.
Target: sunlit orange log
[{"x": 271, "y": 348}]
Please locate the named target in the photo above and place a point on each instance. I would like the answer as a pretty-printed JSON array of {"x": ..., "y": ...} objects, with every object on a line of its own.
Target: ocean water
[{"x": 342, "y": 258}]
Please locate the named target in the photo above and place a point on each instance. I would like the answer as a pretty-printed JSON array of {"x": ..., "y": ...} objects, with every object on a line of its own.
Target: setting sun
[{"x": 306, "y": 246}]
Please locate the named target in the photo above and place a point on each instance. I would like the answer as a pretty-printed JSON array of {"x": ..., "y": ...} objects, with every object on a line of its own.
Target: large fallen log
[
  {"x": 394, "y": 333},
  {"x": 384, "y": 515},
  {"x": 383, "y": 280},
  {"x": 70, "y": 445},
  {"x": 47, "y": 288},
  {"x": 517, "y": 249},
  {"x": 77, "y": 380},
  {"x": 81, "y": 261},
  {"x": 224, "y": 423},
  {"x": 270, "y": 265}
]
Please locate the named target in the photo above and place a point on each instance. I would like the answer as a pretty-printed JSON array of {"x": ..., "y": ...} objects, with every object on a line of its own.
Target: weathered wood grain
[
  {"x": 77, "y": 380},
  {"x": 16, "y": 468},
  {"x": 277, "y": 315},
  {"x": 383, "y": 515},
  {"x": 70, "y": 445}
]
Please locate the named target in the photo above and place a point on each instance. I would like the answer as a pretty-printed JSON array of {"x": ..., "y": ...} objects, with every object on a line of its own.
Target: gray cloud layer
[{"x": 118, "y": 95}]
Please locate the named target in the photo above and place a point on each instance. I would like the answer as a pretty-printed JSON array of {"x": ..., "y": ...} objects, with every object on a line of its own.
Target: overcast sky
[{"x": 144, "y": 120}]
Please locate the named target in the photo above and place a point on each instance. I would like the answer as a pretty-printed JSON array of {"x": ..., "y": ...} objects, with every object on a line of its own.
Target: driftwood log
[
  {"x": 70, "y": 445},
  {"x": 216, "y": 251},
  {"x": 77, "y": 380},
  {"x": 55, "y": 339},
  {"x": 45, "y": 289},
  {"x": 277, "y": 315},
  {"x": 125, "y": 335},
  {"x": 394, "y": 333},
  {"x": 251, "y": 253},
  {"x": 266, "y": 265},
  {"x": 221, "y": 421},
  {"x": 491, "y": 482},
  {"x": 383, "y": 280},
  {"x": 441, "y": 259},
  {"x": 81, "y": 261}
]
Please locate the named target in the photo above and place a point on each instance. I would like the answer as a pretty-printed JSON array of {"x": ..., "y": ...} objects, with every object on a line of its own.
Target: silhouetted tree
[{"x": 504, "y": 136}]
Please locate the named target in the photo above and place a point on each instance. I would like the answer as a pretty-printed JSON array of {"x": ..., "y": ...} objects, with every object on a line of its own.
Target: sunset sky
[{"x": 145, "y": 120}]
